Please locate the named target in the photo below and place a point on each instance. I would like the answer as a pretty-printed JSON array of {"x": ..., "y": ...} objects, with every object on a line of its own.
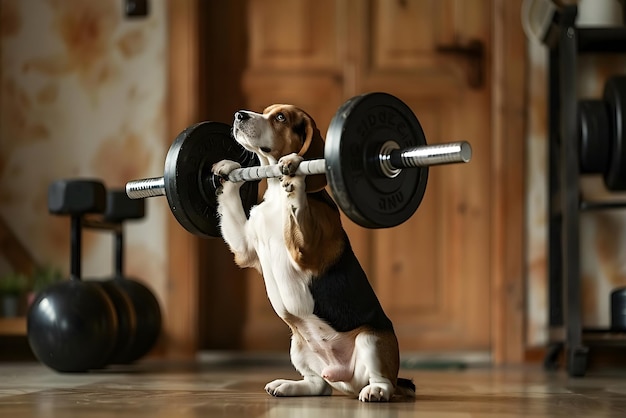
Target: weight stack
[{"x": 618, "y": 309}]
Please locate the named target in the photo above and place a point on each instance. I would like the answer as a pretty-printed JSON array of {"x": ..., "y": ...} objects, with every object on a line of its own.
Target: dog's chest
[{"x": 286, "y": 284}]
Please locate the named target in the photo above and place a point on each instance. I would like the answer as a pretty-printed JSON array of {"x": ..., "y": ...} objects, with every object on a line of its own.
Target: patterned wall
[
  {"x": 603, "y": 234},
  {"x": 82, "y": 94}
]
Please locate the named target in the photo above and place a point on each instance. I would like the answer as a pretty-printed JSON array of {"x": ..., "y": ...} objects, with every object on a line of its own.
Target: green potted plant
[
  {"x": 45, "y": 276},
  {"x": 12, "y": 287},
  {"x": 42, "y": 278}
]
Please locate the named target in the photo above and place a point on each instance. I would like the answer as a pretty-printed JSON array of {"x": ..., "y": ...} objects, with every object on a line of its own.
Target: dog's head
[{"x": 278, "y": 131}]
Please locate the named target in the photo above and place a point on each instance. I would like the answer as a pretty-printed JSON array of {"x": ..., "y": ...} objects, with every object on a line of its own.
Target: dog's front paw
[
  {"x": 289, "y": 164},
  {"x": 222, "y": 169},
  {"x": 376, "y": 392},
  {"x": 287, "y": 183},
  {"x": 280, "y": 387}
]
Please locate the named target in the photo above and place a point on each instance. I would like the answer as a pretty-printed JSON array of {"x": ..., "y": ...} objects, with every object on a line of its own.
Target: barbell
[{"x": 376, "y": 163}]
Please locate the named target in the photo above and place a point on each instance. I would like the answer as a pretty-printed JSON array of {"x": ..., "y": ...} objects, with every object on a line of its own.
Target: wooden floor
[{"x": 234, "y": 388}]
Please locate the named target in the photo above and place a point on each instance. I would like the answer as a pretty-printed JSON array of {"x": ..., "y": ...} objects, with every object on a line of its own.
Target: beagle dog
[{"x": 341, "y": 338}]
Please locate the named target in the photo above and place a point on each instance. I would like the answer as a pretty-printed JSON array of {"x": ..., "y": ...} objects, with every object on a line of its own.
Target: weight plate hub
[
  {"x": 355, "y": 136},
  {"x": 188, "y": 179}
]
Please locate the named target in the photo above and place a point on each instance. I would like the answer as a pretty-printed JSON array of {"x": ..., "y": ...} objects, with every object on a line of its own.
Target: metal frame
[{"x": 564, "y": 202}]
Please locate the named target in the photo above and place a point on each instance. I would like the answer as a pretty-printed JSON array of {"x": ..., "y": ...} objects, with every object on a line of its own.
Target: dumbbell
[
  {"x": 72, "y": 326},
  {"x": 138, "y": 310},
  {"x": 80, "y": 325},
  {"x": 375, "y": 160},
  {"x": 146, "y": 309},
  {"x": 602, "y": 134}
]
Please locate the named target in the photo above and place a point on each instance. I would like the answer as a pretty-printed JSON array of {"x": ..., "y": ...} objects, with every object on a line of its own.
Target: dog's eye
[{"x": 280, "y": 117}]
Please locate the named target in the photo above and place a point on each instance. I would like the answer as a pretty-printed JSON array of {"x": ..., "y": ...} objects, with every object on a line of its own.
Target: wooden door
[{"x": 431, "y": 273}]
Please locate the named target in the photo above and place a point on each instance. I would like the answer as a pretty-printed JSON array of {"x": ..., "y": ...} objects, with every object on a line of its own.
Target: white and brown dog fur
[{"x": 341, "y": 338}]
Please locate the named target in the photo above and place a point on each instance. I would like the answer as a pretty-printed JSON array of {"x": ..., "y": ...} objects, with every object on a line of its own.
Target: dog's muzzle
[{"x": 242, "y": 115}]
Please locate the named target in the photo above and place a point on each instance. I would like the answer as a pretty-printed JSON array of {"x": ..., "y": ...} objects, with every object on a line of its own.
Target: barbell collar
[
  {"x": 141, "y": 189},
  {"x": 429, "y": 155}
]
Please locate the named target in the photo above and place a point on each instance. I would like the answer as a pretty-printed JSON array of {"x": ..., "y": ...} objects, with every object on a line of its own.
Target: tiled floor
[{"x": 234, "y": 389}]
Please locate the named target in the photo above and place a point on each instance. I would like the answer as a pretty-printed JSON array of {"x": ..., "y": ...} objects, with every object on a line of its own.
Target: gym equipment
[
  {"x": 78, "y": 325},
  {"x": 602, "y": 135},
  {"x": 188, "y": 181},
  {"x": 615, "y": 97},
  {"x": 140, "y": 317},
  {"x": 594, "y": 132},
  {"x": 146, "y": 309},
  {"x": 371, "y": 142},
  {"x": 72, "y": 326},
  {"x": 569, "y": 121},
  {"x": 618, "y": 309}
]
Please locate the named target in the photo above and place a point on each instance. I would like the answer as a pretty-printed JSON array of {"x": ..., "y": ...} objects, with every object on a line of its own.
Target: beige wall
[
  {"x": 82, "y": 95},
  {"x": 603, "y": 234}
]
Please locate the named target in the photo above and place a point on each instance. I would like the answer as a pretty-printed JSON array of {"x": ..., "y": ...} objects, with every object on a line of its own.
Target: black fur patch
[
  {"x": 344, "y": 297},
  {"x": 300, "y": 130},
  {"x": 406, "y": 383}
]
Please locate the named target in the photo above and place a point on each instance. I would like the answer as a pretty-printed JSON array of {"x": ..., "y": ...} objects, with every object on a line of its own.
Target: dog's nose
[{"x": 241, "y": 115}]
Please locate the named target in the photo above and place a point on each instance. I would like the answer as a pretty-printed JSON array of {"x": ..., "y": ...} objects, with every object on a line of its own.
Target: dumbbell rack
[{"x": 565, "y": 203}]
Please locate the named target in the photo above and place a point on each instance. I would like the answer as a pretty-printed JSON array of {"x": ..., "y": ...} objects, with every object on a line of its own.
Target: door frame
[
  {"x": 509, "y": 133},
  {"x": 509, "y": 72}
]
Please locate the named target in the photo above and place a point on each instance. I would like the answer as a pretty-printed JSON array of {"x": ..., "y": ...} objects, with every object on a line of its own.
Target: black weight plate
[
  {"x": 189, "y": 189},
  {"x": 593, "y": 136},
  {"x": 355, "y": 135},
  {"x": 615, "y": 98}
]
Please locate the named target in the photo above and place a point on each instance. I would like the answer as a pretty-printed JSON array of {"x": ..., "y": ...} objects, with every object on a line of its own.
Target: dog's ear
[{"x": 312, "y": 149}]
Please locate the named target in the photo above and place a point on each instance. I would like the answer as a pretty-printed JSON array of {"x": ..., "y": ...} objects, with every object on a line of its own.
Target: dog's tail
[{"x": 405, "y": 388}]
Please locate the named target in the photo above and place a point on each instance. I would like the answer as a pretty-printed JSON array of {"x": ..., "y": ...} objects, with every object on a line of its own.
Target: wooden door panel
[
  {"x": 402, "y": 37},
  {"x": 292, "y": 34},
  {"x": 406, "y": 33}
]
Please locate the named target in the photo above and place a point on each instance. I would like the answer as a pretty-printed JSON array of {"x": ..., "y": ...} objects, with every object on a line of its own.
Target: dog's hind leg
[
  {"x": 378, "y": 354},
  {"x": 311, "y": 385}
]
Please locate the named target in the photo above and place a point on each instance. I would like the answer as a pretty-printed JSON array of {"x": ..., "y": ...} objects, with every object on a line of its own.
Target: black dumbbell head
[
  {"x": 72, "y": 326},
  {"x": 76, "y": 197},
  {"x": 120, "y": 207}
]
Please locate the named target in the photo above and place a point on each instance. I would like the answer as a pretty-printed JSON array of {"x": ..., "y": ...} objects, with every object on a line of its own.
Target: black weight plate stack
[
  {"x": 615, "y": 98},
  {"x": 594, "y": 135},
  {"x": 354, "y": 139},
  {"x": 188, "y": 177}
]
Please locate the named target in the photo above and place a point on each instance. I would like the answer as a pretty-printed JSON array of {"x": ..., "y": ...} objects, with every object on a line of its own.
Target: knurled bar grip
[
  {"x": 272, "y": 171},
  {"x": 420, "y": 156}
]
